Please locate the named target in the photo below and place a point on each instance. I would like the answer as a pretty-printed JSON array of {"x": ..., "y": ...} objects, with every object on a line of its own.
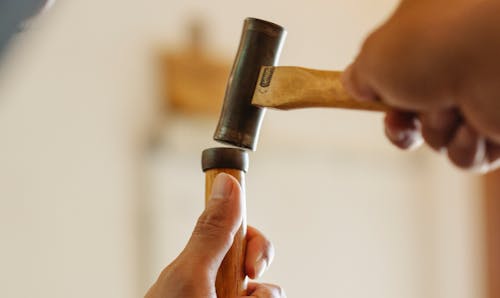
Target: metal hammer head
[{"x": 260, "y": 45}]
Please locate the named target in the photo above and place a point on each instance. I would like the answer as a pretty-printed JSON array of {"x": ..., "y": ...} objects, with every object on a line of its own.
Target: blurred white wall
[{"x": 86, "y": 210}]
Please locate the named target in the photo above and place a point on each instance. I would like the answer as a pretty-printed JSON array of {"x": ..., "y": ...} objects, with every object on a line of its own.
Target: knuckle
[
  {"x": 372, "y": 49},
  {"x": 212, "y": 223},
  {"x": 370, "y": 41},
  {"x": 268, "y": 250}
]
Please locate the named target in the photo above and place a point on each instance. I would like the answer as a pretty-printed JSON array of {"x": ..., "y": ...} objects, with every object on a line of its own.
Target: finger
[
  {"x": 265, "y": 291},
  {"x": 439, "y": 127},
  {"x": 467, "y": 149},
  {"x": 260, "y": 253},
  {"x": 356, "y": 86},
  {"x": 214, "y": 232},
  {"x": 403, "y": 129},
  {"x": 493, "y": 155}
]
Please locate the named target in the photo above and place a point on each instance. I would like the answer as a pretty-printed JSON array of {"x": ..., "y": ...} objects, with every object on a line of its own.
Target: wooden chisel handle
[
  {"x": 231, "y": 277},
  {"x": 290, "y": 87}
]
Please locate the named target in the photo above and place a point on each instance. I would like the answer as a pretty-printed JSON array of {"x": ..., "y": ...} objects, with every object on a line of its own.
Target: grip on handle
[
  {"x": 291, "y": 87},
  {"x": 231, "y": 277}
]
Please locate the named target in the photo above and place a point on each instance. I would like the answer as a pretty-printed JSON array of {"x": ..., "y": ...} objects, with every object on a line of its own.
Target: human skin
[
  {"x": 192, "y": 274},
  {"x": 437, "y": 64}
]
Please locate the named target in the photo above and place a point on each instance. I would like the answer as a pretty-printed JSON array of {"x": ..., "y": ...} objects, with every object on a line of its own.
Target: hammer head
[{"x": 260, "y": 45}]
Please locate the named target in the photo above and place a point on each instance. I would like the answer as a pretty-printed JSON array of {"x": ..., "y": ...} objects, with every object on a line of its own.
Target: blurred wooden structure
[
  {"x": 492, "y": 212},
  {"x": 194, "y": 81}
]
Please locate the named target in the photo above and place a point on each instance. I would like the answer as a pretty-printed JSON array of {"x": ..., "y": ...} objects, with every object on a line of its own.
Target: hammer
[{"x": 254, "y": 84}]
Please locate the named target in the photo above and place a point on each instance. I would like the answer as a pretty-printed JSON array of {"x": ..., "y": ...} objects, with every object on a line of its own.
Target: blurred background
[{"x": 105, "y": 107}]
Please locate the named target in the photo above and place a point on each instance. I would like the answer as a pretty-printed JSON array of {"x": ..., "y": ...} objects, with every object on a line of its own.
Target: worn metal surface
[
  {"x": 240, "y": 121},
  {"x": 224, "y": 158}
]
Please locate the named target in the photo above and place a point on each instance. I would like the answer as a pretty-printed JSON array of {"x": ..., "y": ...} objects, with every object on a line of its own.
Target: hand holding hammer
[
  {"x": 256, "y": 82},
  {"x": 463, "y": 118}
]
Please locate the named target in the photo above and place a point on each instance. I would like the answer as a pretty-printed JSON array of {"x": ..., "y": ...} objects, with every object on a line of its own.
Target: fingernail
[
  {"x": 399, "y": 136},
  {"x": 406, "y": 139},
  {"x": 260, "y": 266},
  {"x": 221, "y": 187}
]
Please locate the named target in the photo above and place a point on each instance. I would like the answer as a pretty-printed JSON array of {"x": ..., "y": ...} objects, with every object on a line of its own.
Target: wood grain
[
  {"x": 231, "y": 281},
  {"x": 492, "y": 218},
  {"x": 288, "y": 87}
]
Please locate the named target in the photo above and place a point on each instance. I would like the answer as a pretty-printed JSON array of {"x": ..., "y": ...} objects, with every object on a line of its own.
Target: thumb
[
  {"x": 214, "y": 232},
  {"x": 357, "y": 86}
]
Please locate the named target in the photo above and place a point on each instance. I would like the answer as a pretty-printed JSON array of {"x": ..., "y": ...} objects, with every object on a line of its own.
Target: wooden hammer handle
[
  {"x": 289, "y": 87},
  {"x": 231, "y": 281}
]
